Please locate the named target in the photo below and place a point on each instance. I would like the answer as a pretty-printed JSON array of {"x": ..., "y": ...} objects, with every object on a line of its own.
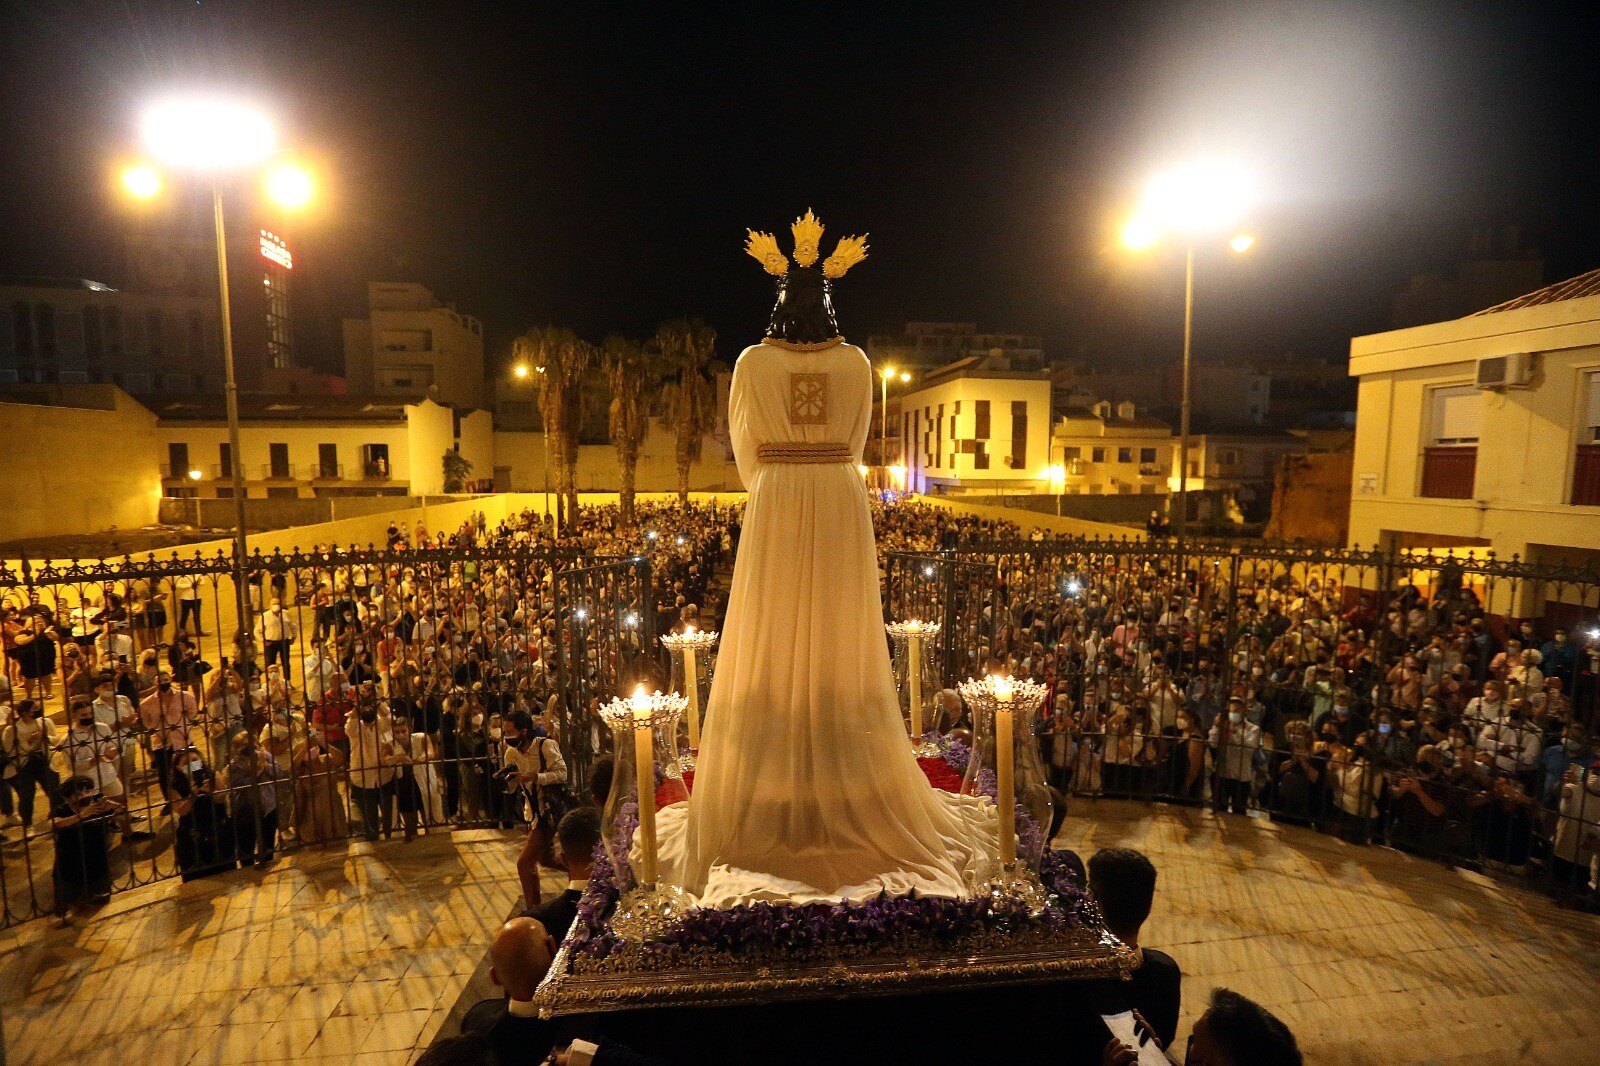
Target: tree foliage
[
  {"x": 685, "y": 348},
  {"x": 629, "y": 376},
  {"x": 562, "y": 359}
]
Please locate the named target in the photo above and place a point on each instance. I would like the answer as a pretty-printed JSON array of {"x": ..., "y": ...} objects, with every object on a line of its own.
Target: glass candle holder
[
  {"x": 693, "y": 661},
  {"x": 1005, "y": 766},
  {"x": 916, "y": 679},
  {"x": 645, "y": 777}
]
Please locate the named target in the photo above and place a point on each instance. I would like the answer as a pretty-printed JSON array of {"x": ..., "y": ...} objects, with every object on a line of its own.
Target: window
[
  {"x": 980, "y": 456},
  {"x": 1097, "y": 455},
  {"x": 1586, "y": 471},
  {"x": 375, "y": 460},
  {"x": 286, "y": 492},
  {"x": 224, "y": 461},
  {"x": 177, "y": 459},
  {"x": 1124, "y": 455},
  {"x": 980, "y": 419},
  {"x": 406, "y": 340},
  {"x": 327, "y": 460},
  {"x": 1147, "y": 455},
  {"x": 938, "y": 438},
  {"x": 1229, "y": 457},
  {"x": 280, "y": 339},
  {"x": 1450, "y": 460},
  {"x": 1069, "y": 455},
  {"x": 1019, "y": 434},
  {"x": 278, "y": 460},
  {"x": 225, "y": 492}
]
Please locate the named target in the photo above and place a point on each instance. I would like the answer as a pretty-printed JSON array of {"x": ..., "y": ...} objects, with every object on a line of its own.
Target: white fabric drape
[{"x": 806, "y": 787}]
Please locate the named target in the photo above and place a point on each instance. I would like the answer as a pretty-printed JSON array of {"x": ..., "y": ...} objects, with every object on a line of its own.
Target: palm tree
[
  {"x": 562, "y": 360},
  {"x": 686, "y": 345},
  {"x": 628, "y": 374}
]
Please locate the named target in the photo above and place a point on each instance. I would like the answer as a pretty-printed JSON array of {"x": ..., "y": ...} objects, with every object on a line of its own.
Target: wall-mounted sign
[
  {"x": 1367, "y": 484},
  {"x": 273, "y": 248}
]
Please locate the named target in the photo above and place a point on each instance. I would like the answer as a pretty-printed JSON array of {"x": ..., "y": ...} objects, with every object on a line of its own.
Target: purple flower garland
[{"x": 802, "y": 930}]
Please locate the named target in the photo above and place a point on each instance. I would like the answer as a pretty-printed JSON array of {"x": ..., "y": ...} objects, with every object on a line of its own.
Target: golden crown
[{"x": 807, "y": 230}]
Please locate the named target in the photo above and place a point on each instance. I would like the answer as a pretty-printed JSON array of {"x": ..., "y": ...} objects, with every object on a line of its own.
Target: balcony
[
  {"x": 277, "y": 471},
  {"x": 327, "y": 472},
  {"x": 1586, "y": 476},
  {"x": 1448, "y": 473},
  {"x": 375, "y": 471}
]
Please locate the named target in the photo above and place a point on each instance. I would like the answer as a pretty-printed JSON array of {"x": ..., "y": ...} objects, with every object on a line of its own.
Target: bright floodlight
[
  {"x": 141, "y": 181},
  {"x": 1242, "y": 243},
  {"x": 195, "y": 475},
  {"x": 289, "y": 185},
  {"x": 521, "y": 370},
  {"x": 1139, "y": 233},
  {"x": 207, "y": 133},
  {"x": 1197, "y": 198}
]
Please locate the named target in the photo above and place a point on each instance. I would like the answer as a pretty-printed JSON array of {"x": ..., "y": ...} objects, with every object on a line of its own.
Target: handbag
[{"x": 555, "y": 799}]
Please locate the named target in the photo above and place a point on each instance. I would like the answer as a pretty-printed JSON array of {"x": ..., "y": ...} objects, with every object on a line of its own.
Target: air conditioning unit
[{"x": 1513, "y": 371}]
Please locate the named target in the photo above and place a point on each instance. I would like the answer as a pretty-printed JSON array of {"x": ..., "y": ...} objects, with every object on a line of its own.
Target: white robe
[{"x": 805, "y": 784}]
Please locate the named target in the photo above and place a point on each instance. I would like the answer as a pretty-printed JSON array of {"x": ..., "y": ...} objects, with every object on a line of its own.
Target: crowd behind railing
[
  {"x": 374, "y": 692},
  {"x": 414, "y": 689}
]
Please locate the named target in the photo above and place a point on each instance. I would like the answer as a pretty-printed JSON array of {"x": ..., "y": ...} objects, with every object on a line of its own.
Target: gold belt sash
[{"x": 804, "y": 451}]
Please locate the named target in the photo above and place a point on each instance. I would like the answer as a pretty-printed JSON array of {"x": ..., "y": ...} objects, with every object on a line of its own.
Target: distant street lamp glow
[
  {"x": 195, "y": 475},
  {"x": 521, "y": 370},
  {"x": 141, "y": 181},
  {"x": 207, "y": 133},
  {"x": 289, "y": 185},
  {"x": 904, "y": 377},
  {"x": 1242, "y": 243}
]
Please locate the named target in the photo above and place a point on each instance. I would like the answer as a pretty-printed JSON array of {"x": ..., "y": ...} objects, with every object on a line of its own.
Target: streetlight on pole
[
  {"x": 886, "y": 375},
  {"x": 1195, "y": 202},
  {"x": 214, "y": 137},
  {"x": 521, "y": 370}
]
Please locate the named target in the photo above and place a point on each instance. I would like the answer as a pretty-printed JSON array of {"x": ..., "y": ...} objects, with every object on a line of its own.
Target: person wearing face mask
[
  {"x": 1235, "y": 746},
  {"x": 279, "y": 630},
  {"x": 1342, "y": 716},
  {"x": 1391, "y": 750},
  {"x": 1514, "y": 743},
  {"x": 168, "y": 714},
  {"x": 1575, "y": 851},
  {"x": 117, "y": 713},
  {"x": 1356, "y": 786},
  {"x": 249, "y": 780},
  {"x": 532, "y": 765},
  {"x": 1421, "y": 799},
  {"x": 203, "y": 837},
  {"x": 319, "y": 813},
  {"x": 92, "y": 751},
  {"x": 1570, "y": 750},
  {"x": 372, "y": 769}
]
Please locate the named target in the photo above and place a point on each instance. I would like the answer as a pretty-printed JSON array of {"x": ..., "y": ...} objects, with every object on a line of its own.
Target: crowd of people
[{"x": 391, "y": 696}]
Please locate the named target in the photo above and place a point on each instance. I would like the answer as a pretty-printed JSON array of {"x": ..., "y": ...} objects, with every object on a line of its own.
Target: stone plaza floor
[{"x": 358, "y": 954}]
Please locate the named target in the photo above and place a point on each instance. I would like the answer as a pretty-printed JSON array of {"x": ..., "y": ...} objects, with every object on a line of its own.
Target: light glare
[
  {"x": 1197, "y": 198},
  {"x": 1139, "y": 233},
  {"x": 289, "y": 185},
  {"x": 206, "y": 133},
  {"x": 141, "y": 181},
  {"x": 1242, "y": 243}
]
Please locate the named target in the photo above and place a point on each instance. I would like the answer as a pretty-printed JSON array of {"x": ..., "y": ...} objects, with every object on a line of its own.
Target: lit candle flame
[
  {"x": 1002, "y": 687},
  {"x": 640, "y": 702}
]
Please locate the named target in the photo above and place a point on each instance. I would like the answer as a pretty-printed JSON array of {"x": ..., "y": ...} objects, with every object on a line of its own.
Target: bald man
[{"x": 519, "y": 957}]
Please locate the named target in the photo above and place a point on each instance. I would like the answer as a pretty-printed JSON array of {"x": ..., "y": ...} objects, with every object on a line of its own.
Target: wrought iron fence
[
  {"x": 216, "y": 744},
  {"x": 959, "y": 594},
  {"x": 1346, "y": 663},
  {"x": 606, "y": 626}
]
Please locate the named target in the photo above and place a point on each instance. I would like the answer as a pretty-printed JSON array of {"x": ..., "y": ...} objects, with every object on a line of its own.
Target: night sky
[{"x": 595, "y": 165}]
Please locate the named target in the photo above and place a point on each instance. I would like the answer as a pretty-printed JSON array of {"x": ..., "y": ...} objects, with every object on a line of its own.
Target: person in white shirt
[
  {"x": 188, "y": 589},
  {"x": 1234, "y": 740},
  {"x": 25, "y": 746},
  {"x": 113, "y": 644},
  {"x": 279, "y": 631},
  {"x": 531, "y": 763},
  {"x": 373, "y": 762},
  {"x": 1487, "y": 709},
  {"x": 118, "y": 714},
  {"x": 1514, "y": 742},
  {"x": 92, "y": 751},
  {"x": 323, "y": 679},
  {"x": 1165, "y": 699}
]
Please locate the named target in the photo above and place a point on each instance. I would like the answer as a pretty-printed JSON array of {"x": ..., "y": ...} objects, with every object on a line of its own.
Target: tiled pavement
[{"x": 358, "y": 955}]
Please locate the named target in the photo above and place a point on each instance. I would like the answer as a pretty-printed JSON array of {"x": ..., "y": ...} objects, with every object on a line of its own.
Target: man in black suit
[
  {"x": 1123, "y": 883},
  {"x": 519, "y": 957},
  {"x": 577, "y": 835}
]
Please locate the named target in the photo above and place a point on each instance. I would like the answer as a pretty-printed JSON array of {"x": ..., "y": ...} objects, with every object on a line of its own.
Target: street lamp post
[
  {"x": 886, "y": 375},
  {"x": 214, "y": 136},
  {"x": 521, "y": 371},
  {"x": 1194, "y": 201}
]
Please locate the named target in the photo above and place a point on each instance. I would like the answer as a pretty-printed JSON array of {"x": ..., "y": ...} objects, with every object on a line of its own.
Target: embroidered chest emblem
[{"x": 808, "y": 399}]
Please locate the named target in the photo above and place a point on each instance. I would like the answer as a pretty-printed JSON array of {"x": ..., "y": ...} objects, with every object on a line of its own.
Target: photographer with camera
[{"x": 536, "y": 773}]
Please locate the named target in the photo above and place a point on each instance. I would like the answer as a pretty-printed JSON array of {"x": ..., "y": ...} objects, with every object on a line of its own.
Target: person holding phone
[{"x": 81, "y": 818}]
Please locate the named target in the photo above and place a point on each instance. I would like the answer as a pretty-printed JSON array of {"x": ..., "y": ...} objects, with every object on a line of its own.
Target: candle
[
  {"x": 644, "y": 765},
  {"x": 914, "y": 673},
  {"x": 1005, "y": 785},
  {"x": 691, "y": 689}
]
